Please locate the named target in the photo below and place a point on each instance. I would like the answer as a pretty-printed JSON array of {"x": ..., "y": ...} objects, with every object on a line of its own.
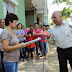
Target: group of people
[
  {"x": 13, "y": 40},
  {"x": 29, "y": 35}
]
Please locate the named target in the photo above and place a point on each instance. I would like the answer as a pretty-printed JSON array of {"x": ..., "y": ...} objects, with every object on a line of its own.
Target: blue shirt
[{"x": 21, "y": 32}]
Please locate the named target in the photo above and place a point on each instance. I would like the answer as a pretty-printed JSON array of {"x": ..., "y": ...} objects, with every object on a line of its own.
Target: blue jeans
[
  {"x": 11, "y": 66},
  {"x": 22, "y": 50},
  {"x": 46, "y": 47}
]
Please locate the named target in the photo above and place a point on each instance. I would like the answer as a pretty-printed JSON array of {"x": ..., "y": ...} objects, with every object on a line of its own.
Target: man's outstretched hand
[{"x": 48, "y": 35}]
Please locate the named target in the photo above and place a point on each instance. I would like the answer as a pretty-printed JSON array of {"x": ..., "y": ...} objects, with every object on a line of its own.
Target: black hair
[
  {"x": 18, "y": 25},
  {"x": 29, "y": 32},
  {"x": 23, "y": 26},
  {"x": 10, "y": 17},
  {"x": 46, "y": 25},
  {"x": 31, "y": 25},
  {"x": 36, "y": 23}
]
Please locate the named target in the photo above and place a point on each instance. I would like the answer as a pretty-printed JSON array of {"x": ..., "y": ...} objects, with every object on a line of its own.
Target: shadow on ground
[
  {"x": 31, "y": 67},
  {"x": 52, "y": 61}
]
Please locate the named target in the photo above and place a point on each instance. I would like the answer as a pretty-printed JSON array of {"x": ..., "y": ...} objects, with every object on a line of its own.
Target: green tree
[
  {"x": 52, "y": 23},
  {"x": 60, "y": 1},
  {"x": 66, "y": 13}
]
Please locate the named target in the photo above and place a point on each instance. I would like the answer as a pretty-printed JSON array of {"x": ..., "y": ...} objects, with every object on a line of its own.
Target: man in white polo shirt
[
  {"x": 62, "y": 34},
  {"x": 2, "y": 25}
]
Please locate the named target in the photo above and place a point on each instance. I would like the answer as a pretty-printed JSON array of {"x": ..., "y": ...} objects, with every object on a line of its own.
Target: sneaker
[
  {"x": 24, "y": 60},
  {"x": 38, "y": 57},
  {"x": 41, "y": 55}
]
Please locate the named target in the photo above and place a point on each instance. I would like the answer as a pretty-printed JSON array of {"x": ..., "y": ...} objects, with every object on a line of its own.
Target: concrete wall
[
  {"x": 1, "y": 9},
  {"x": 21, "y": 11},
  {"x": 29, "y": 18},
  {"x": 38, "y": 4}
]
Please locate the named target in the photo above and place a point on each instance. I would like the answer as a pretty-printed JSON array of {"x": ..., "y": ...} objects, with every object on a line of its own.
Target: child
[{"x": 31, "y": 47}]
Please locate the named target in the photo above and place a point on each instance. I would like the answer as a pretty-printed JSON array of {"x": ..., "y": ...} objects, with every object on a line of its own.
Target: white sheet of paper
[{"x": 34, "y": 40}]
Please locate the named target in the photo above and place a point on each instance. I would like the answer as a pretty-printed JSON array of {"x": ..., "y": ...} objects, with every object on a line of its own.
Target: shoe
[
  {"x": 29, "y": 59},
  {"x": 41, "y": 55},
  {"x": 24, "y": 60},
  {"x": 21, "y": 59},
  {"x": 38, "y": 57},
  {"x": 45, "y": 57}
]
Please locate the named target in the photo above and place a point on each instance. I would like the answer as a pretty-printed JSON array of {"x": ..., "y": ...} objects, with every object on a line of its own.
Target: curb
[{"x": 44, "y": 66}]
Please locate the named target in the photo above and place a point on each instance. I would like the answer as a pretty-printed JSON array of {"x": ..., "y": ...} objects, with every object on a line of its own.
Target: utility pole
[{"x": 45, "y": 13}]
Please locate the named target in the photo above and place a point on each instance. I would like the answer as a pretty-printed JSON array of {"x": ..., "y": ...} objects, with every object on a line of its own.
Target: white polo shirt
[{"x": 62, "y": 35}]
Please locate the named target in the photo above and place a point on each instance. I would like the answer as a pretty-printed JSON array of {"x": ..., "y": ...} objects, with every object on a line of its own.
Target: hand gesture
[{"x": 48, "y": 35}]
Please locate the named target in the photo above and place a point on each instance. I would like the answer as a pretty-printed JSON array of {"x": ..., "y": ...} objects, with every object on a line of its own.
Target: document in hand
[{"x": 34, "y": 40}]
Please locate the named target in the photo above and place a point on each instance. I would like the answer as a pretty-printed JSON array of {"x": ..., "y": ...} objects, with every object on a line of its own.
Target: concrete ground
[
  {"x": 42, "y": 65},
  {"x": 52, "y": 64},
  {"x": 31, "y": 67}
]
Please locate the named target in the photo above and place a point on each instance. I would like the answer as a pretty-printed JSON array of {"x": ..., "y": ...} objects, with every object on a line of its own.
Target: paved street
[
  {"x": 49, "y": 65},
  {"x": 31, "y": 67}
]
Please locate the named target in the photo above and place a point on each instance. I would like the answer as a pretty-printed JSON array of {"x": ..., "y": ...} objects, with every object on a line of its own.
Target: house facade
[
  {"x": 14, "y": 6},
  {"x": 28, "y": 11}
]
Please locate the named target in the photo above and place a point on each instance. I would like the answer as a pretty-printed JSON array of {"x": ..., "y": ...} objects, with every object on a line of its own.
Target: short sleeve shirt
[
  {"x": 21, "y": 32},
  {"x": 10, "y": 56}
]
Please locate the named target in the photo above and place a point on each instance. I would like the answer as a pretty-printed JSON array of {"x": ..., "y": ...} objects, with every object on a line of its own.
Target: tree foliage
[
  {"x": 52, "y": 23},
  {"x": 66, "y": 13},
  {"x": 60, "y": 1}
]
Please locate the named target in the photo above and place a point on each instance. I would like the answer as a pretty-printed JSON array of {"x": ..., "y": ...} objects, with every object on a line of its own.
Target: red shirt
[{"x": 30, "y": 39}]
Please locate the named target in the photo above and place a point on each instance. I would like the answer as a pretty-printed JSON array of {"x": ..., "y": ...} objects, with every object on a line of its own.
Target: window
[
  {"x": 12, "y": 8},
  {"x": 9, "y": 6},
  {"x": 5, "y": 7}
]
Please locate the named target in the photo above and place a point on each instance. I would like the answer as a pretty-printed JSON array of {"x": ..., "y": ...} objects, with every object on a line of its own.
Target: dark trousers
[
  {"x": 3, "y": 68},
  {"x": 63, "y": 56},
  {"x": 39, "y": 44},
  {"x": 0, "y": 62}
]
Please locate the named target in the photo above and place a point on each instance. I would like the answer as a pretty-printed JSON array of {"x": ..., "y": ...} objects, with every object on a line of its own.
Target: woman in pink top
[
  {"x": 30, "y": 29},
  {"x": 45, "y": 41},
  {"x": 39, "y": 44}
]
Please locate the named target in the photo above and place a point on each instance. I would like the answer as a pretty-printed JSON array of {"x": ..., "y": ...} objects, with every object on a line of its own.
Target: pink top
[
  {"x": 45, "y": 38},
  {"x": 38, "y": 35},
  {"x": 27, "y": 31}
]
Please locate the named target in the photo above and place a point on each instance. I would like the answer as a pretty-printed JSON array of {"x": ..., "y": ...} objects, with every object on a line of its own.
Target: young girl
[{"x": 31, "y": 47}]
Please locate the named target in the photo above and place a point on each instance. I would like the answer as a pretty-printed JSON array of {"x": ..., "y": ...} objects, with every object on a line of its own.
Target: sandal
[
  {"x": 33, "y": 61},
  {"x": 38, "y": 57},
  {"x": 29, "y": 59}
]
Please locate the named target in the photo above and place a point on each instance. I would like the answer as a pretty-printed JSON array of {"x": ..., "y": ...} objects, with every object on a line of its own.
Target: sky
[{"x": 55, "y": 7}]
